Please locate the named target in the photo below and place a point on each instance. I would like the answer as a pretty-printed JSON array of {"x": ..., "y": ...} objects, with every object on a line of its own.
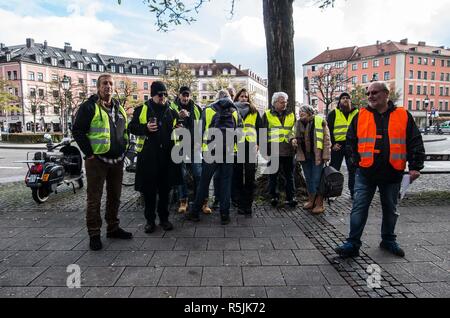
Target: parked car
[{"x": 445, "y": 127}]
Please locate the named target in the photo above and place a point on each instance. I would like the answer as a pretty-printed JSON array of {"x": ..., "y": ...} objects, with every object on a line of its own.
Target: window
[
  {"x": 376, "y": 63},
  {"x": 121, "y": 69},
  {"x": 8, "y": 57},
  {"x": 204, "y": 97},
  {"x": 81, "y": 81},
  {"x": 134, "y": 85},
  {"x": 54, "y": 61},
  {"x": 387, "y": 61},
  {"x": 94, "y": 82},
  {"x": 432, "y": 104},
  {"x": 446, "y": 105},
  {"x": 40, "y": 92},
  {"x": 101, "y": 68},
  {"x": 42, "y": 110},
  {"x": 14, "y": 75},
  {"x": 39, "y": 59},
  {"x": 193, "y": 72},
  {"x": 411, "y": 60},
  {"x": 145, "y": 97},
  {"x": 425, "y": 61},
  {"x": 80, "y": 65},
  {"x": 411, "y": 88},
  {"x": 446, "y": 91},
  {"x": 448, "y": 63},
  {"x": 410, "y": 105},
  {"x": 113, "y": 68},
  {"x": 31, "y": 76},
  {"x": 440, "y": 105},
  {"x": 135, "y": 97},
  {"x": 417, "y": 104},
  {"x": 201, "y": 73},
  {"x": 86, "y": 58},
  {"x": 122, "y": 84},
  {"x": 145, "y": 71},
  {"x": 425, "y": 90},
  {"x": 365, "y": 65},
  {"x": 133, "y": 70},
  {"x": 32, "y": 92},
  {"x": 442, "y": 63},
  {"x": 411, "y": 74},
  {"x": 156, "y": 71},
  {"x": 40, "y": 77},
  {"x": 55, "y": 94},
  {"x": 225, "y": 71},
  {"x": 419, "y": 74},
  {"x": 432, "y": 90},
  {"x": 209, "y": 72},
  {"x": 433, "y": 62},
  {"x": 9, "y": 75},
  {"x": 94, "y": 59},
  {"x": 419, "y": 89},
  {"x": 364, "y": 78},
  {"x": 354, "y": 80},
  {"x": 419, "y": 60},
  {"x": 54, "y": 77},
  {"x": 425, "y": 75},
  {"x": 327, "y": 66},
  {"x": 67, "y": 63},
  {"x": 441, "y": 91},
  {"x": 375, "y": 77},
  {"x": 94, "y": 67},
  {"x": 387, "y": 76},
  {"x": 448, "y": 77},
  {"x": 442, "y": 77},
  {"x": 146, "y": 86},
  {"x": 354, "y": 67},
  {"x": 433, "y": 76}
]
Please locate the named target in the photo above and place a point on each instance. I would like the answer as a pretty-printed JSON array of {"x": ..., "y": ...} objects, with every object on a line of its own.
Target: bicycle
[{"x": 129, "y": 164}]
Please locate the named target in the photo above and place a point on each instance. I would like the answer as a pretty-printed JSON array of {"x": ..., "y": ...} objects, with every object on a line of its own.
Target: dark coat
[{"x": 155, "y": 165}]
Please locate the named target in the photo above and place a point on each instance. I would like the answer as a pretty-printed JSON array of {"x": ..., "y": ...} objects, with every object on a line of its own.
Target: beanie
[
  {"x": 157, "y": 87},
  {"x": 185, "y": 89}
]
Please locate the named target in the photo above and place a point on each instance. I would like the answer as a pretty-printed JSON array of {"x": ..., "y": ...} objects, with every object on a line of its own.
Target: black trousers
[
  {"x": 244, "y": 185},
  {"x": 160, "y": 192}
]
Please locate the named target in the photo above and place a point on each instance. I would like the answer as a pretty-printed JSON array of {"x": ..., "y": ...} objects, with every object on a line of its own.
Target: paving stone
[
  {"x": 169, "y": 258},
  {"x": 427, "y": 272},
  {"x": 63, "y": 292},
  {"x": 28, "y": 244},
  {"x": 109, "y": 292},
  {"x": 159, "y": 244},
  {"x": 98, "y": 258},
  {"x": 63, "y": 232},
  {"x": 140, "y": 276},
  {"x": 55, "y": 276},
  {"x": 419, "y": 254},
  {"x": 400, "y": 273},
  {"x": 223, "y": 244},
  {"x": 297, "y": 292},
  {"x": 191, "y": 244},
  {"x": 292, "y": 230},
  {"x": 133, "y": 258},
  {"x": 277, "y": 257},
  {"x": 182, "y": 276},
  {"x": 240, "y": 258},
  {"x": 61, "y": 244},
  {"x": 244, "y": 292},
  {"x": 303, "y": 243},
  {"x": 8, "y": 232},
  {"x": 256, "y": 243},
  {"x": 209, "y": 232},
  {"x": 5, "y": 243},
  {"x": 205, "y": 258},
  {"x": 269, "y": 231},
  {"x": 33, "y": 232},
  {"x": 239, "y": 232},
  {"x": 101, "y": 276},
  {"x": 61, "y": 258},
  {"x": 25, "y": 258},
  {"x": 283, "y": 243},
  {"x": 341, "y": 291},
  {"x": 440, "y": 290},
  {"x": 179, "y": 232},
  {"x": 310, "y": 257},
  {"x": 303, "y": 275},
  {"x": 154, "y": 292},
  {"x": 20, "y": 276},
  {"x": 20, "y": 292},
  {"x": 419, "y": 291},
  {"x": 222, "y": 276},
  {"x": 331, "y": 275},
  {"x": 442, "y": 252},
  {"x": 198, "y": 292},
  {"x": 263, "y": 276},
  {"x": 125, "y": 245}
]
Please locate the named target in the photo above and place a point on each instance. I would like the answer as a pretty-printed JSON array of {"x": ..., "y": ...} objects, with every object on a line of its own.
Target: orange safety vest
[{"x": 367, "y": 136}]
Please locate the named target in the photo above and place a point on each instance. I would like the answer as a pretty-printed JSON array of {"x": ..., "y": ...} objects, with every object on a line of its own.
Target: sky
[{"x": 129, "y": 29}]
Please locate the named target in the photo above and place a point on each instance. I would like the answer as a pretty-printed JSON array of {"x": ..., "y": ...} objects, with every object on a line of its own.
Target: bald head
[{"x": 378, "y": 96}]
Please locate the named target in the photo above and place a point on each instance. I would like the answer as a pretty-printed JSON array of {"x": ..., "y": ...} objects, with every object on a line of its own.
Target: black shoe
[
  {"x": 192, "y": 217},
  {"x": 347, "y": 250},
  {"x": 120, "y": 234},
  {"x": 292, "y": 203},
  {"x": 224, "y": 219},
  {"x": 274, "y": 202},
  {"x": 392, "y": 247},
  {"x": 149, "y": 228},
  {"x": 166, "y": 225},
  {"x": 95, "y": 243}
]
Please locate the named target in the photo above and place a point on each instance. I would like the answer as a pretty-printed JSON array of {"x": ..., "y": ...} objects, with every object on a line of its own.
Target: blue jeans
[
  {"x": 312, "y": 175},
  {"x": 226, "y": 174},
  {"x": 287, "y": 165},
  {"x": 196, "y": 169},
  {"x": 364, "y": 192}
]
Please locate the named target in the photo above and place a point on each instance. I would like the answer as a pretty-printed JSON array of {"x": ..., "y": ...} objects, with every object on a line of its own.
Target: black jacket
[
  {"x": 82, "y": 125},
  {"x": 381, "y": 170},
  {"x": 189, "y": 122},
  {"x": 154, "y": 163},
  {"x": 331, "y": 119}
]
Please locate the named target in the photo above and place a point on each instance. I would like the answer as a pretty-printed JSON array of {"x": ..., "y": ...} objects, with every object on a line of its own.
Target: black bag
[{"x": 331, "y": 182}]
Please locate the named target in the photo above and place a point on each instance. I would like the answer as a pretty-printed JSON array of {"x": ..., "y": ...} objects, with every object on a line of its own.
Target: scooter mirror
[{"x": 48, "y": 138}]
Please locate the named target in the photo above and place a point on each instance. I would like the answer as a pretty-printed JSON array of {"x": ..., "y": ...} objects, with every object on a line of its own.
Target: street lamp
[
  {"x": 426, "y": 101},
  {"x": 65, "y": 83}
]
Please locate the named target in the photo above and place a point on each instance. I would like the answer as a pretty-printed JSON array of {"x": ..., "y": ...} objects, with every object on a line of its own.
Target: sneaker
[
  {"x": 167, "y": 226},
  {"x": 192, "y": 217},
  {"x": 393, "y": 248},
  {"x": 120, "y": 234},
  {"x": 274, "y": 202},
  {"x": 150, "y": 228},
  {"x": 347, "y": 250},
  {"x": 224, "y": 219},
  {"x": 95, "y": 243}
]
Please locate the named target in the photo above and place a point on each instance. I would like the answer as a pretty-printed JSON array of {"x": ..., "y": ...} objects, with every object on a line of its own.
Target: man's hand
[
  {"x": 152, "y": 127},
  {"x": 337, "y": 147},
  {"x": 184, "y": 113},
  {"x": 414, "y": 175},
  {"x": 294, "y": 143}
]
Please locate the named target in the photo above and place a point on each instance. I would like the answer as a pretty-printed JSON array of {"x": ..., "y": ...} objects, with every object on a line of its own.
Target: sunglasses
[{"x": 164, "y": 94}]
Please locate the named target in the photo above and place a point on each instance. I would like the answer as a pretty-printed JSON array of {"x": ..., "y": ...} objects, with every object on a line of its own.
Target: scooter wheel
[{"x": 40, "y": 195}]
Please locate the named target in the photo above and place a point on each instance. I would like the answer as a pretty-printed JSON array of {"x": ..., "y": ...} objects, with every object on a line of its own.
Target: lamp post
[
  {"x": 65, "y": 83},
  {"x": 426, "y": 101}
]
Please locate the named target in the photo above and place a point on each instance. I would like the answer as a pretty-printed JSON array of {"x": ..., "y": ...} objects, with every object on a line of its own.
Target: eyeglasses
[
  {"x": 164, "y": 94},
  {"x": 372, "y": 93}
]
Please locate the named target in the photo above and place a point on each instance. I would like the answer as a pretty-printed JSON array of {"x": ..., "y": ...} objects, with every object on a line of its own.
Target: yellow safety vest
[
  {"x": 277, "y": 132},
  {"x": 249, "y": 128},
  {"x": 99, "y": 133},
  {"x": 318, "y": 125},
  {"x": 341, "y": 124},
  {"x": 197, "y": 112},
  {"x": 143, "y": 121},
  {"x": 209, "y": 114}
]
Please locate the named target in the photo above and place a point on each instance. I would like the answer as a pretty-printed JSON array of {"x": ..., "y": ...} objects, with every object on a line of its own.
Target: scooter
[{"x": 48, "y": 170}]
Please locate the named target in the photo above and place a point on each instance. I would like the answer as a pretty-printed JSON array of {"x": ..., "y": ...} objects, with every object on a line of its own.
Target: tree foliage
[
  {"x": 8, "y": 101},
  {"x": 178, "y": 76}
]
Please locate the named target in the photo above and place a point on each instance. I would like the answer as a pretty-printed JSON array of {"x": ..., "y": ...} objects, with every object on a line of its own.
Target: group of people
[{"x": 376, "y": 141}]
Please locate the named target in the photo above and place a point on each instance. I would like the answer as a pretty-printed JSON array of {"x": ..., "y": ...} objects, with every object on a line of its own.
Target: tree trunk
[{"x": 279, "y": 27}]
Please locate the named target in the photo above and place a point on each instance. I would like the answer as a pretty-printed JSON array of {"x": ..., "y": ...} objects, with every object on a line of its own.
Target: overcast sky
[{"x": 129, "y": 30}]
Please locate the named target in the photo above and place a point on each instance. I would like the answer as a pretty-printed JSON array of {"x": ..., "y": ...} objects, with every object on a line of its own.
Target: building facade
[{"x": 420, "y": 74}]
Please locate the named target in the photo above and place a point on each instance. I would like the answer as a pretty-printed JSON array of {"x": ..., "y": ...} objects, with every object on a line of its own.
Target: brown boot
[
  {"x": 205, "y": 207},
  {"x": 318, "y": 205},
  {"x": 309, "y": 204},
  {"x": 183, "y": 206}
]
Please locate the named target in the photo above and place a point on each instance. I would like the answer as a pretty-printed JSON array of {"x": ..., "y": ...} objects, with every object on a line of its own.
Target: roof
[
  {"x": 327, "y": 56},
  {"x": 217, "y": 68}
]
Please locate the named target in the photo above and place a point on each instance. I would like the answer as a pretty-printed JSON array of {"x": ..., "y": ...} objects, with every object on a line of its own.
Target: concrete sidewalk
[{"x": 278, "y": 253}]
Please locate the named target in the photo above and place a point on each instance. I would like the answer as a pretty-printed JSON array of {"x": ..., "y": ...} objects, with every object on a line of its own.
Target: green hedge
[{"x": 30, "y": 138}]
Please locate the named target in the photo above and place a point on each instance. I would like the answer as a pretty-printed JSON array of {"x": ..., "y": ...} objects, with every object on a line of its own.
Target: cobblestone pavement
[{"x": 278, "y": 253}]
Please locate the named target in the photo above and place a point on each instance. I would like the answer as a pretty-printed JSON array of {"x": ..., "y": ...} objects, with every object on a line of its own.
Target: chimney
[
  {"x": 45, "y": 45},
  {"x": 404, "y": 41},
  {"x": 67, "y": 47},
  {"x": 83, "y": 51},
  {"x": 240, "y": 66},
  {"x": 378, "y": 43},
  {"x": 30, "y": 43},
  {"x": 421, "y": 43},
  {"x": 214, "y": 61}
]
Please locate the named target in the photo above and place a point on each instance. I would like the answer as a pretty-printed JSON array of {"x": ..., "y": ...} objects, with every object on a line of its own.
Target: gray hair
[
  {"x": 382, "y": 85},
  {"x": 307, "y": 109},
  {"x": 278, "y": 95},
  {"x": 223, "y": 93}
]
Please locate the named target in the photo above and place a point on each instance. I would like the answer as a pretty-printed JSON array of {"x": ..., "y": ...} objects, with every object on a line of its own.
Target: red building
[{"x": 419, "y": 73}]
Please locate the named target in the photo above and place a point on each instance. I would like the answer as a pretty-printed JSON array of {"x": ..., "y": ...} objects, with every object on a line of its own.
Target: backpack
[
  {"x": 223, "y": 118},
  {"x": 331, "y": 182}
]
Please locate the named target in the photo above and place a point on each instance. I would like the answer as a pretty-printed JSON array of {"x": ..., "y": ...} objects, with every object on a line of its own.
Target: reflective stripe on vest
[
  {"x": 99, "y": 132},
  {"x": 367, "y": 135},
  {"x": 209, "y": 114},
  {"x": 249, "y": 128},
  {"x": 278, "y": 132},
  {"x": 318, "y": 125},
  {"x": 341, "y": 124}
]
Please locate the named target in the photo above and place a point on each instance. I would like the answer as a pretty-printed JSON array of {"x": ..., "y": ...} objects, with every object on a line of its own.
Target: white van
[{"x": 445, "y": 127}]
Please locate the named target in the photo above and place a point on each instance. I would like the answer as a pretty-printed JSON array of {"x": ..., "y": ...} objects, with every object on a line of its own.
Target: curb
[
  {"x": 435, "y": 140},
  {"x": 25, "y": 147}
]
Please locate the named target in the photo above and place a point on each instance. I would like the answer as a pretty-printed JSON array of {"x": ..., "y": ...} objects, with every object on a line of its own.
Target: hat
[
  {"x": 157, "y": 87},
  {"x": 343, "y": 95},
  {"x": 185, "y": 89}
]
